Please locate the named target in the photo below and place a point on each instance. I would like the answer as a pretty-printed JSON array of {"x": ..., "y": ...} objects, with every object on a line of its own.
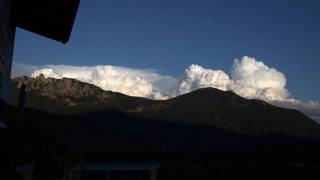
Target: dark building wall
[{"x": 7, "y": 33}]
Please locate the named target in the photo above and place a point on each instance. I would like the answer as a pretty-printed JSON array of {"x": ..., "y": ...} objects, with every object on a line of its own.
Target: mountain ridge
[{"x": 207, "y": 106}]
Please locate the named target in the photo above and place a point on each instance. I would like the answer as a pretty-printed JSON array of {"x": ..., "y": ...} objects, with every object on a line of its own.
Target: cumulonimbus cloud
[
  {"x": 248, "y": 78},
  {"x": 254, "y": 79},
  {"x": 133, "y": 82},
  {"x": 198, "y": 77}
]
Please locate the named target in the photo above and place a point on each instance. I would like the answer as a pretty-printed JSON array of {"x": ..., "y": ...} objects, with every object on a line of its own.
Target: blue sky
[{"x": 169, "y": 35}]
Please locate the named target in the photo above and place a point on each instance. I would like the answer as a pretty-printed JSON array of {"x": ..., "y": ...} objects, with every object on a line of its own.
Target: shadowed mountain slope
[{"x": 206, "y": 107}]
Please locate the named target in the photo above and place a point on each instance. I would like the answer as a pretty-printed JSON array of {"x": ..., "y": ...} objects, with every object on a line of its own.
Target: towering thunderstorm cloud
[
  {"x": 248, "y": 78},
  {"x": 198, "y": 77},
  {"x": 253, "y": 79}
]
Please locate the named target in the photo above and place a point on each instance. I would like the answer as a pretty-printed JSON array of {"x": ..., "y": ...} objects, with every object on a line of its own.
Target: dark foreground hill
[
  {"x": 185, "y": 151},
  {"x": 206, "y": 134},
  {"x": 206, "y": 107}
]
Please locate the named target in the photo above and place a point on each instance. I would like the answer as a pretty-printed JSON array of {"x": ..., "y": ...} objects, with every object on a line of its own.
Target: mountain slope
[
  {"x": 229, "y": 111},
  {"x": 208, "y": 106},
  {"x": 70, "y": 96}
]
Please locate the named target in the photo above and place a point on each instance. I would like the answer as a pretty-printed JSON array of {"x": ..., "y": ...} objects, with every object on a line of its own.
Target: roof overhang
[{"x": 50, "y": 18}]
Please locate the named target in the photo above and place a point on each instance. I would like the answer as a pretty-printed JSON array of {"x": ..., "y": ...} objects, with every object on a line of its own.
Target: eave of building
[{"x": 53, "y": 19}]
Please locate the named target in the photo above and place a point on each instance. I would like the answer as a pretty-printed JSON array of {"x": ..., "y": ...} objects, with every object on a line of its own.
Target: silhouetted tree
[{"x": 22, "y": 97}]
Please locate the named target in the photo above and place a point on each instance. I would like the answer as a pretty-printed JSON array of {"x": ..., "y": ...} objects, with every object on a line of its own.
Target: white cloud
[
  {"x": 253, "y": 79},
  {"x": 310, "y": 108},
  {"x": 142, "y": 83},
  {"x": 249, "y": 78},
  {"x": 198, "y": 77}
]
